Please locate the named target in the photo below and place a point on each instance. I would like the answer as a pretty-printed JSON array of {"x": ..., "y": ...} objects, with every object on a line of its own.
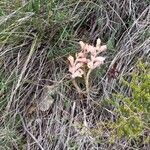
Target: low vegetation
[{"x": 41, "y": 107}]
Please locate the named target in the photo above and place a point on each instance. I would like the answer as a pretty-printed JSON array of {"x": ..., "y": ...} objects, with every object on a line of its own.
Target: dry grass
[{"x": 35, "y": 40}]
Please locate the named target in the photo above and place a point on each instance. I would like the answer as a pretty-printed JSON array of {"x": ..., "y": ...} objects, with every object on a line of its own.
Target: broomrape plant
[{"x": 85, "y": 61}]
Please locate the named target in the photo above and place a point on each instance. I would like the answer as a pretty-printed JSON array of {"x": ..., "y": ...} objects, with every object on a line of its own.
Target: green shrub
[{"x": 132, "y": 110}]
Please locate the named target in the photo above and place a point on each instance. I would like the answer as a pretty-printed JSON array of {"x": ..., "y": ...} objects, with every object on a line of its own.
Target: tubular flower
[
  {"x": 75, "y": 67},
  {"x": 87, "y": 56},
  {"x": 95, "y": 60}
]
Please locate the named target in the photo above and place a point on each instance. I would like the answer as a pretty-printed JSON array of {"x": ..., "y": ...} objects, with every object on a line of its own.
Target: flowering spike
[{"x": 82, "y": 58}]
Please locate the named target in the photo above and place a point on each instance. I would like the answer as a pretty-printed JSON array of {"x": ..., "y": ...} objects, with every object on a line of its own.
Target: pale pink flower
[
  {"x": 80, "y": 55},
  {"x": 75, "y": 67},
  {"x": 98, "y": 43},
  {"x": 95, "y": 62},
  {"x": 88, "y": 55},
  {"x": 101, "y": 49},
  {"x": 98, "y": 49},
  {"x": 87, "y": 48},
  {"x": 84, "y": 47}
]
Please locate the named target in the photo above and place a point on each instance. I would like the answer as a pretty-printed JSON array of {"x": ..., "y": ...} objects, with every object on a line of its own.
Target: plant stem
[
  {"x": 87, "y": 81},
  {"x": 76, "y": 86},
  {"x": 84, "y": 74}
]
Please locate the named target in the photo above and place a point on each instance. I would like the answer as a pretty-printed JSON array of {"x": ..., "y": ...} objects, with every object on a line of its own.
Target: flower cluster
[
  {"x": 88, "y": 56},
  {"x": 75, "y": 67}
]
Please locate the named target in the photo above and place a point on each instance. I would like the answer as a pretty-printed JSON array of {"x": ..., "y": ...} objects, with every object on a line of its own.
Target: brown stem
[
  {"x": 76, "y": 86},
  {"x": 87, "y": 81},
  {"x": 84, "y": 75}
]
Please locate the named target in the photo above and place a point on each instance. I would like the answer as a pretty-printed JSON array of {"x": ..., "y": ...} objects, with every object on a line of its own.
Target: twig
[
  {"x": 32, "y": 136},
  {"x": 76, "y": 86},
  {"x": 87, "y": 81},
  {"x": 21, "y": 75}
]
